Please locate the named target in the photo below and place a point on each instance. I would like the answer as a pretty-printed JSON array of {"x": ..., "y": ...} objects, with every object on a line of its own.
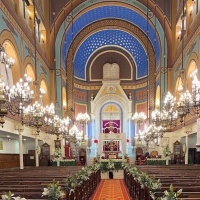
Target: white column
[
  {"x": 36, "y": 154},
  {"x": 198, "y": 135},
  {"x": 93, "y": 130},
  {"x": 129, "y": 128},
  {"x": 86, "y": 130},
  {"x": 186, "y": 148},
  {"x": 21, "y": 149}
]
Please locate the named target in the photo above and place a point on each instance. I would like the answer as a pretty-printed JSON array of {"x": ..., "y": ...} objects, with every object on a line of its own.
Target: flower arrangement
[
  {"x": 167, "y": 151},
  {"x": 10, "y": 196},
  {"x": 169, "y": 195},
  {"x": 70, "y": 183},
  {"x": 57, "y": 153},
  {"x": 53, "y": 191},
  {"x": 125, "y": 156},
  {"x": 143, "y": 179},
  {"x": 95, "y": 167},
  {"x": 154, "y": 185},
  {"x": 111, "y": 165},
  {"x": 83, "y": 175}
]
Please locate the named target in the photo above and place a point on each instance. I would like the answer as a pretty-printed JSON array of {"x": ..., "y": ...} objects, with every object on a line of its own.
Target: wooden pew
[
  {"x": 30, "y": 182},
  {"x": 185, "y": 177}
]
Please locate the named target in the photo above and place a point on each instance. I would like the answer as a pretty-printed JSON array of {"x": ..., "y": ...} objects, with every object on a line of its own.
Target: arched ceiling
[{"x": 112, "y": 36}]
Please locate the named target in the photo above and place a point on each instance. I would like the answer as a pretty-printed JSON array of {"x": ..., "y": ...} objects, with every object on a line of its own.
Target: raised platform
[{"x": 116, "y": 175}]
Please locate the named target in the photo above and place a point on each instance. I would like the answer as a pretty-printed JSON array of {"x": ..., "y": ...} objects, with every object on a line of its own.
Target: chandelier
[
  {"x": 65, "y": 123},
  {"x": 82, "y": 119},
  {"x": 168, "y": 116},
  {"x": 190, "y": 103},
  {"x": 19, "y": 96},
  {"x": 139, "y": 119},
  {"x": 3, "y": 107},
  {"x": 8, "y": 62}
]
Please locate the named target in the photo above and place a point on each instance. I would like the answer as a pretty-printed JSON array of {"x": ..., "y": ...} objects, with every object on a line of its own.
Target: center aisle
[{"x": 111, "y": 189}]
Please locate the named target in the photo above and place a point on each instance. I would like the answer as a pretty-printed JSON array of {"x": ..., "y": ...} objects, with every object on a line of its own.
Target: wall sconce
[
  {"x": 42, "y": 38},
  {"x": 29, "y": 14},
  {"x": 179, "y": 35},
  {"x": 191, "y": 10}
]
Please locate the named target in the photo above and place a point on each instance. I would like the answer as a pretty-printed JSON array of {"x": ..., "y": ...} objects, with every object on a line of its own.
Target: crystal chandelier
[
  {"x": 139, "y": 118},
  {"x": 19, "y": 96},
  {"x": 34, "y": 115},
  {"x": 53, "y": 125},
  {"x": 83, "y": 119},
  {"x": 3, "y": 105},
  {"x": 73, "y": 131},
  {"x": 168, "y": 116},
  {"x": 65, "y": 123},
  {"x": 8, "y": 62},
  {"x": 189, "y": 103}
]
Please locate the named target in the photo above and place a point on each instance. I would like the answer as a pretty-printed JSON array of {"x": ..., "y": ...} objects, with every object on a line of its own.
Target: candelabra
[
  {"x": 189, "y": 103},
  {"x": 8, "y": 62},
  {"x": 83, "y": 119},
  {"x": 139, "y": 118},
  {"x": 168, "y": 116},
  {"x": 65, "y": 128},
  {"x": 19, "y": 96},
  {"x": 3, "y": 107}
]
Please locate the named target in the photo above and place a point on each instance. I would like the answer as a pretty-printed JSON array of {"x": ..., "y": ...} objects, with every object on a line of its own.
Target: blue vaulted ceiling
[
  {"x": 110, "y": 37},
  {"x": 105, "y": 38}
]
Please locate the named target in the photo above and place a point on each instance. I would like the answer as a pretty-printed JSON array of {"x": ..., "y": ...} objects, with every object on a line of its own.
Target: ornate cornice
[{"x": 97, "y": 87}]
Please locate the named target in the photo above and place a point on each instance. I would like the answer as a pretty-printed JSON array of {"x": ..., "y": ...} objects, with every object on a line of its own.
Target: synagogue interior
[{"x": 101, "y": 84}]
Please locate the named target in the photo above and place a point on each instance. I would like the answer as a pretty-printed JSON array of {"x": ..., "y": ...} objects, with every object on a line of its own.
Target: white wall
[{"x": 12, "y": 146}]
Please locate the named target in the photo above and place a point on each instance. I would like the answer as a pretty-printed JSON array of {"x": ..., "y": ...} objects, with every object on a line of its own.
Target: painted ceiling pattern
[{"x": 110, "y": 37}]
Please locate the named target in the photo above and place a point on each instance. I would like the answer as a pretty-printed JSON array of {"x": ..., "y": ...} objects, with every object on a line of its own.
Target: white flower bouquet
[
  {"x": 10, "y": 196},
  {"x": 57, "y": 153},
  {"x": 53, "y": 191},
  {"x": 111, "y": 165},
  {"x": 167, "y": 151},
  {"x": 168, "y": 195}
]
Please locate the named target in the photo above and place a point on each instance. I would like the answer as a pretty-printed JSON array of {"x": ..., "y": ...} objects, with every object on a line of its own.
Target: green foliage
[
  {"x": 10, "y": 196},
  {"x": 167, "y": 151},
  {"x": 53, "y": 191},
  {"x": 107, "y": 166},
  {"x": 70, "y": 182}
]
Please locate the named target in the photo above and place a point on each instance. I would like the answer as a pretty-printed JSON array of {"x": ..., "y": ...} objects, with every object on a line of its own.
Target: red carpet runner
[{"x": 111, "y": 190}]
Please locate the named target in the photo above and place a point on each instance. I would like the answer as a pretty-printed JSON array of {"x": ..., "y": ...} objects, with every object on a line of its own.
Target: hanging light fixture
[
  {"x": 82, "y": 119},
  {"x": 139, "y": 119},
  {"x": 167, "y": 116},
  {"x": 3, "y": 105},
  {"x": 19, "y": 96},
  {"x": 7, "y": 61},
  {"x": 188, "y": 103}
]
